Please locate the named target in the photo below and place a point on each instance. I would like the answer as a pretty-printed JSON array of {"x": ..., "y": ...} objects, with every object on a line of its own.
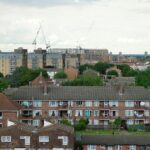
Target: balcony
[{"x": 27, "y": 114}]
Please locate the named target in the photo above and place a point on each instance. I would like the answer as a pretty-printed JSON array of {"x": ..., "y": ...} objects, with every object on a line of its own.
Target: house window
[
  {"x": 5, "y": 138},
  {"x": 102, "y": 146},
  {"x": 91, "y": 147},
  {"x": 53, "y": 103},
  {"x": 88, "y": 103},
  {"x": 1, "y": 115},
  {"x": 26, "y": 138},
  {"x": 129, "y": 104},
  {"x": 88, "y": 113},
  {"x": 37, "y": 103},
  {"x": 43, "y": 138},
  {"x": 64, "y": 139},
  {"x": 96, "y": 122}
]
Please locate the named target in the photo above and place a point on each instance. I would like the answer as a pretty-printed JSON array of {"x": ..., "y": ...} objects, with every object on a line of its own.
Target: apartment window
[
  {"x": 96, "y": 113},
  {"x": 53, "y": 113},
  {"x": 118, "y": 147},
  {"x": 102, "y": 146},
  {"x": 78, "y": 113},
  {"x": 146, "y": 113},
  {"x": 96, "y": 103},
  {"x": 132, "y": 147},
  {"x": 37, "y": 103},
  {"x": 109, "y": 148},
  {"x": 88, "y": 113},
  {"x": 43, "y": 138},
  {"x": 64, "y": 139},
  {"x": 36, "y": 123},
  {"x": 113, "y": 103},
  {"x": 37, "y": 113},
  {"x": 1, "y": 115},
  {"x": 96, "y": 122},
  {"x": 91, "y": 147},
  {"x": 88, "y": 103},
  {"x": 79, "y": 103},
  {"x": 129, "y": 104},
  {"x": 130, "y": 122},
  {"x": 5, "y": 138},
  {"x": 53, "y": 103},
  {"x": 129, "y": 113}
]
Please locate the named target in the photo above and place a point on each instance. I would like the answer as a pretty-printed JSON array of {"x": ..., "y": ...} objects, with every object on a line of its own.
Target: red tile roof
[{"x": 6, "y": 104}]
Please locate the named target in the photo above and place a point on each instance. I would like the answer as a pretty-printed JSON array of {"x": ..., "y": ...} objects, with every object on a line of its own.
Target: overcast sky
[{"x": 118, "y": 25}]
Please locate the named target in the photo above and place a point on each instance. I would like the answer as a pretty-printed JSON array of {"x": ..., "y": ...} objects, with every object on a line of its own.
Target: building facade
[
  {"x": 116, "y": 142},
  {"x": 101, "y": 105},
  {"x": 50, "y": 136}
]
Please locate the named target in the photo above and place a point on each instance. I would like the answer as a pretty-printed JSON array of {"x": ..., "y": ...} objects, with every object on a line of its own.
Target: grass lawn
[{"x": 110, "y": 132}]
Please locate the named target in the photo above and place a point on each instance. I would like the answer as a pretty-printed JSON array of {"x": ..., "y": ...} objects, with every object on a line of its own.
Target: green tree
[
  {"x": 112, "y": 73},
  {"x": 1, "y": 75},
  {"x": 82, "y": 68},
  {"x": 118, "y": 122},
  {"x": 3, "y": 84},
  {"x": 60, "y": 75},
  {"x": 22, "y": 75},
  {"x": 65, "y": 122},
  {"x": 84, "y": 81},
  {"x": 81, "y": 125},
  {"x": 143, "y": 78},
  {"x": 102, "y": 67}
]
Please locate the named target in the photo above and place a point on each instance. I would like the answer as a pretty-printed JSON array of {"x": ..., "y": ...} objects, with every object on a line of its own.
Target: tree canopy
[
  {"x": 143, "y": 78},
  {"x": 60, "y": 75},
  {"x": 84, "y": 81},
  {"x": 112, "y": 73},
  {"x": 22, "y": 75}
]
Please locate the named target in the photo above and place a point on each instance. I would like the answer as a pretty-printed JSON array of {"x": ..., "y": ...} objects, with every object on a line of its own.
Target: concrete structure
[
  {"x": 37, "y": 59},
  {"x": 9, "y": 61}
]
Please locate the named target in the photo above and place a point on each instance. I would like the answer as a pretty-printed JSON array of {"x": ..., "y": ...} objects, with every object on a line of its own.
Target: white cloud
[{"x": 114, "y": 24}]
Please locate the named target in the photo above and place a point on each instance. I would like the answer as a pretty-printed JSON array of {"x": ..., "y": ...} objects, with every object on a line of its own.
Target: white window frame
[
  {"x": 5, "y": 139},
  {"x": 37, "y": 103},
  {"x": 91, "y": 147},
  {"x": 43, "y": 139}
]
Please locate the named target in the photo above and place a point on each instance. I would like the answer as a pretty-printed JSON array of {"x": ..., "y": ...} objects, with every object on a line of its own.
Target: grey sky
[{"x": 119, "y": 25}]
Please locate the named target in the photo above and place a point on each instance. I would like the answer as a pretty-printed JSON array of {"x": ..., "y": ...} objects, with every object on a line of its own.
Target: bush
[
  {"x": 60, "y": 75},
  {"x": 65, "y": 122},
  {"x": 136, "y": 127},
  {"x": 81, "y": 125}
]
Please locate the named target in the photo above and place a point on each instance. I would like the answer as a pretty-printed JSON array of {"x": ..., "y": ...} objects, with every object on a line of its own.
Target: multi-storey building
[
  {"x": 9, "y": 61},
  {"x": 101, "y": 105},
  {"x": 19, "y": 136},
  {"x": 115, "y": 142},
  {"x": 8, "y": 110},
  {"x": 54, "y": 60},
  {"x": 37, "y": 59}
]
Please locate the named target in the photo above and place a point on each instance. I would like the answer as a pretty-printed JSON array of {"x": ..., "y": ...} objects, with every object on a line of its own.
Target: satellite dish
[{"x": 142, "y": 103}]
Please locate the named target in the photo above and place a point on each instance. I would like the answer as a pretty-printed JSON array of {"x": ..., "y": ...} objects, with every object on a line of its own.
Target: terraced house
[
  {"x": 49, "y": 136},
  {"x": 100, "y": 105}
]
